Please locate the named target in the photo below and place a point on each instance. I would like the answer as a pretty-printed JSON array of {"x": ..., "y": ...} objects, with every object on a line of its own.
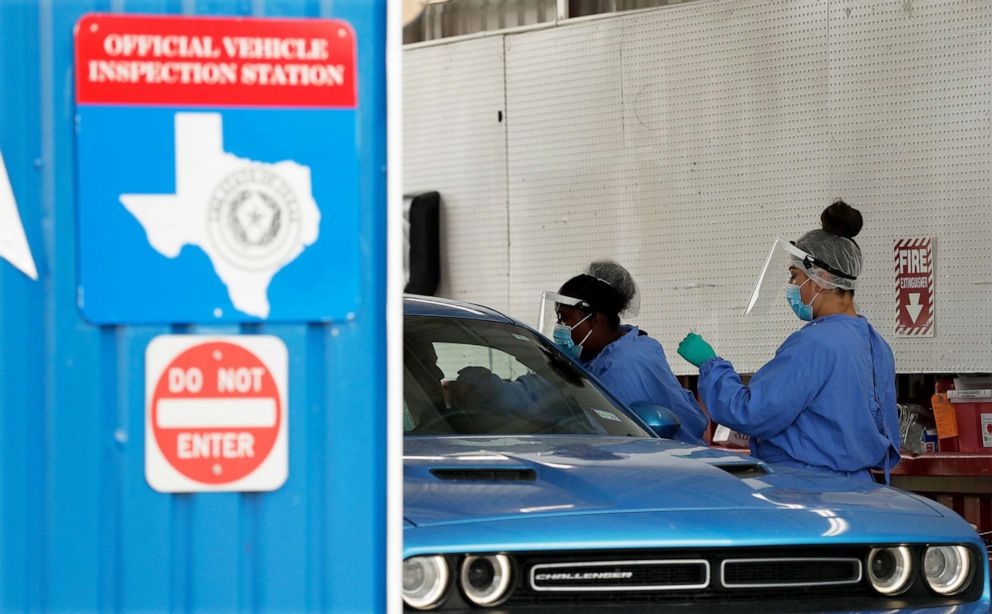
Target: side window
[{"x": 453, "y": 357}]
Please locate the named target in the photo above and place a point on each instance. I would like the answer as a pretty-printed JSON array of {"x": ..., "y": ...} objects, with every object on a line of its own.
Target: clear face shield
[
  {"x": 768, "y": 295},
  {"x": 551, "y": 302}
]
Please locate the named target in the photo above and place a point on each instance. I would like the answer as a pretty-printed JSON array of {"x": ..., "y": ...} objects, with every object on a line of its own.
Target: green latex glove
[{"x": 695, "y": 349}]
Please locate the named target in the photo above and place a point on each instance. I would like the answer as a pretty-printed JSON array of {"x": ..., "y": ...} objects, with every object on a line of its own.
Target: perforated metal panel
[
  {"x": 910, "y": 118},
  {"x": 682, "y": 141},
  {"x": 679, "y": 158},
  {"x": 562, "y": 185},
  {"x": 454, "y": 141}
]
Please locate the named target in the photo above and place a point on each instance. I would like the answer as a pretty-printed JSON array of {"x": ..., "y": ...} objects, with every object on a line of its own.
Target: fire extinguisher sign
[{"x": 914, "y": 287}]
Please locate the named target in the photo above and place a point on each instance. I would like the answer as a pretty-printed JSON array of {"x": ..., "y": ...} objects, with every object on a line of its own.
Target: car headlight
[
  {"x": 425, "y": 580},
  {"x": 947, "y": 568},
  {"x": 890, "y": 569},
  {"x": 486, "y": 579}
]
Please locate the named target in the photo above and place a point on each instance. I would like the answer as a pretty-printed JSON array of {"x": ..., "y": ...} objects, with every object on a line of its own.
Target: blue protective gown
[
  {"x": 826, "y": 401},
  {"x": 634, "y": 368}
]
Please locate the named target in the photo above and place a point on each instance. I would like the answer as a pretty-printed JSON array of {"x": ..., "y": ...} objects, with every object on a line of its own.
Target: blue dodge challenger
[{"x": 529, "y": 488}]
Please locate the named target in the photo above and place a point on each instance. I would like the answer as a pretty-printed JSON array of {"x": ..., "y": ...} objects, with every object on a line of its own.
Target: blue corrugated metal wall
[{"x": 79, "y": 527}]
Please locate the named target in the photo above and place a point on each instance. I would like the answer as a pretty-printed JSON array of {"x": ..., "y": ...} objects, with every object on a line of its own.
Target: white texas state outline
[{"x": 217, "y": 191}]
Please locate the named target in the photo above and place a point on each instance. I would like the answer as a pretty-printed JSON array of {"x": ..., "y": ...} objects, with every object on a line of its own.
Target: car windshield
[{"x": 475, "y": 377}]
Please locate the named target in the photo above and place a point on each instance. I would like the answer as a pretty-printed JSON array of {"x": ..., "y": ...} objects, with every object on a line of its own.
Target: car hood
[{"x": 470, "y": 479}]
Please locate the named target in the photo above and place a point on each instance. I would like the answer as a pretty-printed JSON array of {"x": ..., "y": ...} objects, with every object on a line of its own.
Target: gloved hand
[{"x": 695, "y": 349}]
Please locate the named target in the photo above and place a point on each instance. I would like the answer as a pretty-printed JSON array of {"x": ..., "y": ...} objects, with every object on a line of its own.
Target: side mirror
[{"x": 661, "y": 420}]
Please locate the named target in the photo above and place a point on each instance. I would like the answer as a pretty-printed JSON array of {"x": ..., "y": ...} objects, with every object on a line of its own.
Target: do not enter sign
[{"x": 216, "y": 413}]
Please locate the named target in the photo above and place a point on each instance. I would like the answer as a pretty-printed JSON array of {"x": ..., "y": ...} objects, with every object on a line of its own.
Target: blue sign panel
[
  {"x": 81, "y": 530},
  {"x": 217, "y": 170}
]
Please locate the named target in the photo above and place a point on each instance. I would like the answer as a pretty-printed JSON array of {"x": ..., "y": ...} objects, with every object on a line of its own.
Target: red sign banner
[
  {"x": 914, "y": 287},
  {"x": 209, "y": 61}
]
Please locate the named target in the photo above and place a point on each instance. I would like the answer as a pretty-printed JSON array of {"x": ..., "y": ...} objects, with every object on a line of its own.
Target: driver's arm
[{"x": 480, "y": 388}]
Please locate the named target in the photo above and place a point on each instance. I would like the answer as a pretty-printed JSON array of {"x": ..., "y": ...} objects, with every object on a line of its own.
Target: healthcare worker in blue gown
[
  {"x": 827, "y": 400},
  {"x": 628, "y": 362}
]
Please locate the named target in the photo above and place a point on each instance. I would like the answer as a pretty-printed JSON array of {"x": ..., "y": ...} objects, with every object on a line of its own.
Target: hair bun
[{"x": 841, "y": 219}]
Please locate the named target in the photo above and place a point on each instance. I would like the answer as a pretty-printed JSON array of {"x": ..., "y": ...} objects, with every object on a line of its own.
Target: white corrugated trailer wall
[
  {"x": 454, "y": 142},
  {"x": 681, "y": 141}
]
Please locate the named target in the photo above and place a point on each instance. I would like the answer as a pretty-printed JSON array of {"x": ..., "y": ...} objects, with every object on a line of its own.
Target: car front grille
[
  {"x": 795, "y": 578},
  {"x": 647, "y": 575},
  {"x": 789, "y": 572}
]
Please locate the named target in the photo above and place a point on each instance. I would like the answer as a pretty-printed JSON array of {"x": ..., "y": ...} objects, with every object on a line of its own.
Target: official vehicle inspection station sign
[
  {"x": 218, "y": 172},
  {"x": 914, "y": 287},
  {"x": 216, "y": 413}
]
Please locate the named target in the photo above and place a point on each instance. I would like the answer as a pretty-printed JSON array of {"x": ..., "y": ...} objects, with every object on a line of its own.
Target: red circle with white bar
[{"x": 216, "y": 412}]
